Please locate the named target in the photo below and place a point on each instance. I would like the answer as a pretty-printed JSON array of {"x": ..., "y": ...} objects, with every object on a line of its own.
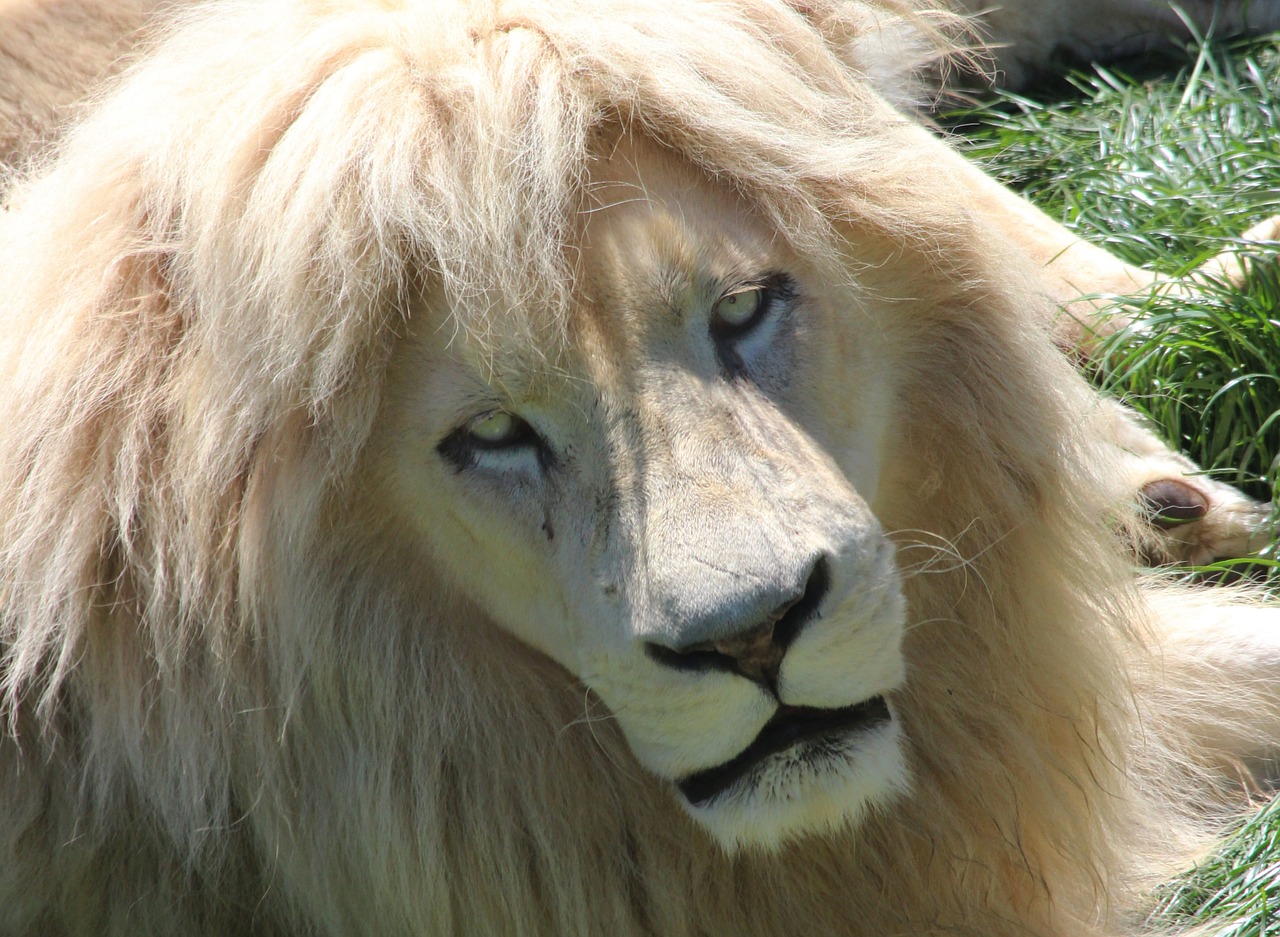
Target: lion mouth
[{"x": 789, "y": 727}]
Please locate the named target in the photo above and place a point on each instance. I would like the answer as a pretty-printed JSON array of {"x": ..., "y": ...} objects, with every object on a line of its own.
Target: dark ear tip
[{"x": 1169, "y": 503}]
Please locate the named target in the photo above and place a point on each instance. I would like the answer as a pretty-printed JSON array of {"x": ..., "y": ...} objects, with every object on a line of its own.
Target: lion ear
[{"x": 902, "y": 50}]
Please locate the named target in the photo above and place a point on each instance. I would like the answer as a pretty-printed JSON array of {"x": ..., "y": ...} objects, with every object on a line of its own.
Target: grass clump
[
  {"x": 1207, "y": 371},
  {"x": 1238, "y": 887},
  {"x": 1164, "y": 170}
]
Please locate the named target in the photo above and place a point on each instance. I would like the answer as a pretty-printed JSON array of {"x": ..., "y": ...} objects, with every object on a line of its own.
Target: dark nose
[{"x": 756, "y": 650}]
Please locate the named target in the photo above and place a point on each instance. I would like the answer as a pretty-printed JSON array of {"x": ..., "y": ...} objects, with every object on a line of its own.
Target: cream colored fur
[{"x": 289, "y": 648}]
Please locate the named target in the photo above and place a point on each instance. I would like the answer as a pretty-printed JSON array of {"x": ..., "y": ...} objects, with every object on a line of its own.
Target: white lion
[{"x": 574, "y": 467}]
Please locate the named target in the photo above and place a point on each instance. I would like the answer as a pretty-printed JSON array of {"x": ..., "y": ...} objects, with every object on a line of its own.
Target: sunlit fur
[{"x": 237, "y": 700}]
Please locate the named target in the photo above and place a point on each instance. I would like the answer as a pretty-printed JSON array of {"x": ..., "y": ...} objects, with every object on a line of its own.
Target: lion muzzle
[{"x": 755, "y": 651}]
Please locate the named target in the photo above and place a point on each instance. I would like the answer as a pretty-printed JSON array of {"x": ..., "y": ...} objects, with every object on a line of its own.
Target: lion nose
[{"x": 756, "y": 651}]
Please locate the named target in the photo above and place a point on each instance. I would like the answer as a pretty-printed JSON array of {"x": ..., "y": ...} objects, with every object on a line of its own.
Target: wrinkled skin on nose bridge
[{"x": 731, "y": 524}]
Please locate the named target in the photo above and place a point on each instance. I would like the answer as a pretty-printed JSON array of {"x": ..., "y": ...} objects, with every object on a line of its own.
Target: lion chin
[{"x": 809, "y": 771}]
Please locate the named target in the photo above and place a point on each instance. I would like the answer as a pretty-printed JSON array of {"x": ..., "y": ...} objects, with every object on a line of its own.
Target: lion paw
[
  {"x": 1175, "y": 514},
  {"x": 1197, "y": 520}
]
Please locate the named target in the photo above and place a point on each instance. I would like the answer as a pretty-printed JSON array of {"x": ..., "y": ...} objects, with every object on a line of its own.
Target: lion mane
[{"x": 240, "y": 699}]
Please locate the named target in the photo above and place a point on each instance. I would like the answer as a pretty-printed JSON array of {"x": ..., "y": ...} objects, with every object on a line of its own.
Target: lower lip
[{"x": 789, "y": 726}]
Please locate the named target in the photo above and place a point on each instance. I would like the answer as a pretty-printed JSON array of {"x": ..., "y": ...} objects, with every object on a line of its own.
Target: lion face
[{"x": 676, "y": 503}]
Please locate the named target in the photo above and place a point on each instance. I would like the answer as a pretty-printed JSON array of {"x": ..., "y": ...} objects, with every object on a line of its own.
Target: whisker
[{"x": 590, "y": 720}]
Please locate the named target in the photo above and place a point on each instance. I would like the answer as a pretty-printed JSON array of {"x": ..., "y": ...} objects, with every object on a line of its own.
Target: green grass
[
  {"x": 1238, "y": 888},
  {"x": 1164, "y": 167},
  {"x": 1163, "y": 170}
]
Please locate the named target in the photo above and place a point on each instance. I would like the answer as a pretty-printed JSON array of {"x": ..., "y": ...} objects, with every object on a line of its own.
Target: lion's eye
[
  {"x": 739, "y": 311},
  {"x": 496, "y": 438},
  {"x": 745, "y": 322},
  {"x": 496, "y": 428}
]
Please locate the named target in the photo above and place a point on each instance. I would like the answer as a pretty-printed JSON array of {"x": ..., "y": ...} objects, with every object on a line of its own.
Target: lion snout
[{"x": 748, "y": 639}]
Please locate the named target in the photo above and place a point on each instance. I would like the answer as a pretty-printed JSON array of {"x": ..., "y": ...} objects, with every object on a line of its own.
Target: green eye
[
  {"x": 494, "y": 438},
  {"x": 496, "y": 428},
  {"x": 740, "y": 310},
  {"x": 748, "y": 320}
]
